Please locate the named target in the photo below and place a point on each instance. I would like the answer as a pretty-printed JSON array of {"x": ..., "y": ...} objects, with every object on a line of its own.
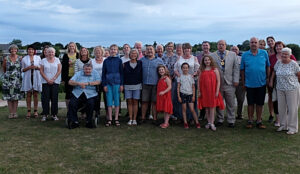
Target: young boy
[{"x": 112, "y": 80}]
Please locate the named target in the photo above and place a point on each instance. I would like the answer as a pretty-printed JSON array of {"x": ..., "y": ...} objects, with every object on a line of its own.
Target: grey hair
[
  {"x": 88, "y": 65},
  {"x": 221, "y": 41},
  {"x": 179, "y": 45},
  {"x": 138, "y": 42},
  {"x": 99, "y": 47},
  {"x": 159, "y": 45},
  {"x": 287, "y": 50},
  {"x": 12, "y": 46},
  {"x": 50, "y": 49}
]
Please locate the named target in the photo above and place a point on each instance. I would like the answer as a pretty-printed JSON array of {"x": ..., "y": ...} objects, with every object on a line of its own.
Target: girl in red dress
[
  {"x": 163, "y": 95},
  {"x": 209, "y": 94}
]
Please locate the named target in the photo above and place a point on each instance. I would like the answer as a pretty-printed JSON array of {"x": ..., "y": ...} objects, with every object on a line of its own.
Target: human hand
[
  {"x": 105, "y": 89},
  {"x": 161, "y": 93},
  {"x": 179, "y": 99}
]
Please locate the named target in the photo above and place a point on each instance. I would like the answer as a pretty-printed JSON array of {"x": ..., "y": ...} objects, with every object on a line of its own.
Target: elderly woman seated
[{"x": 84, "y": 91}]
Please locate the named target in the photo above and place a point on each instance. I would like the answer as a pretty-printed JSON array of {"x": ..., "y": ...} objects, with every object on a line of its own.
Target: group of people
[{"x": 177, "y": 84}]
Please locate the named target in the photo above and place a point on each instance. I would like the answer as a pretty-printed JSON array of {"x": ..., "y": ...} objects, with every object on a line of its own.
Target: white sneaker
[
  {"x": 44, "y": 118},
  {"x": 129, "y": 123},
  {"x": 281, "y": 128},
  {"x": 134, "y": 123},
  {"x": 150, "y": 117},
  {"x": 291, "y": 132},
  {"x": 213, "y": 127},
  {"x": 276, "y": 124},
  {"x": 55, "y": 118},
  {"x": 173, "y": 117}
]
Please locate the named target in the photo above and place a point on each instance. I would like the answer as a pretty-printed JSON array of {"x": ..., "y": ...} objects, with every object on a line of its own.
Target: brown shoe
[
  {"x": 249, "y": 125},
  {"x": 260, "y": 126}
]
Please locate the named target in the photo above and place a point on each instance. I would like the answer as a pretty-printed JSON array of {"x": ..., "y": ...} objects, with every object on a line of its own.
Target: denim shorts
[{"x": 133, "y": 94}]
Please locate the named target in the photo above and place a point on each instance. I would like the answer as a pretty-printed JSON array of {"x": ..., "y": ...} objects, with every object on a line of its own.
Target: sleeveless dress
[
  {"x": 208, "y": 83},
  {"x": 164, "y": 102},
  {"x": 12, "y": 80}
]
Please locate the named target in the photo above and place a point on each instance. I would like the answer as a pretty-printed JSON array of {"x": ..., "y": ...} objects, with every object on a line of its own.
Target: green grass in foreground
[{"x": 30, "y": 146}]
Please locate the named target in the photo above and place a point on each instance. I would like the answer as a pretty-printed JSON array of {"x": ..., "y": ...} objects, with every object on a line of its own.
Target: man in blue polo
[
  {"x": 255, "y": 71},
  {"x": 150, "y": 78},
  {"x": 84, "y": 91}
]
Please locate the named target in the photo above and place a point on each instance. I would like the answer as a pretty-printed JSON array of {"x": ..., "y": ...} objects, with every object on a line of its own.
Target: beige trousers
[{"x": 288, "y": 102}]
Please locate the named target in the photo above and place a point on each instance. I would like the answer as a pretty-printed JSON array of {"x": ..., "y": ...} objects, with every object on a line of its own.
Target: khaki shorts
[{"x": 149, "y": 93}]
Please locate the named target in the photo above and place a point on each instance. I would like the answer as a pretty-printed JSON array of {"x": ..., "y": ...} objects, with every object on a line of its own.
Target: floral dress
[{"x": 12, "y": 80}]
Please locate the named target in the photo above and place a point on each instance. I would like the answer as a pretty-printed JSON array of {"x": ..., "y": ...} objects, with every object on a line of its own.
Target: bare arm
[
  {"x": 193, "y": 98},
  {"x": 272, "y": 79},
  {"x": 169, "y": 84},
  {"x": 178, "y": 92},
  {"x": 43, "y": 74}
]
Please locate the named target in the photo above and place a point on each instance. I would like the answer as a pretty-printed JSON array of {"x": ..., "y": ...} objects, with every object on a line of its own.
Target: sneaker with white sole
[
  {"x": 150, "y": 117},
  {"x": 129, "y": 123},
  {"x": 213, "y": 127},
  {"x": 44, "y": 118},
  {"x": 281, "y": 128},
  {"x": 291, "y": 132},
  {"x": 55, "y": 118},
  {"x": 134, "y": 123}
]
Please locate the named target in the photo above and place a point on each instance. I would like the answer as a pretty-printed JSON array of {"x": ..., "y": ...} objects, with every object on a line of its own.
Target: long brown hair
[
  {"x": 213, "y": 64},
  {"x": 166, "y": 70}
]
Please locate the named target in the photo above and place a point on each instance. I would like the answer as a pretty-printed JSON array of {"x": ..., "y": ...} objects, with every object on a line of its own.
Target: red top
[{"x": 273, "y": 59}]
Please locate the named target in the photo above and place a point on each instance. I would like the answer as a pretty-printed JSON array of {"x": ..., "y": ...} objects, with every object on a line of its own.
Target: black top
[
  {"x": 65, "y": 67},
  {"x": 133, "y": 76}
]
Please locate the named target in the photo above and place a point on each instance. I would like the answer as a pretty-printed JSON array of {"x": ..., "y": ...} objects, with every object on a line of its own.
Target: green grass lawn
[{"x": 30, "y": 146}]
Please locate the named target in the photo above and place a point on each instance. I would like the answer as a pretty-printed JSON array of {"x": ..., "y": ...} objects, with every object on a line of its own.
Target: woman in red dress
[
  {"x": 163, "y": 95},
  {"x": 209, "y": 92}
]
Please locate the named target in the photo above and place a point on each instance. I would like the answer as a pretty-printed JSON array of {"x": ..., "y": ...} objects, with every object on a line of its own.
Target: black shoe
[
  {"x": 89, "y": 125},
  {"x": 239, "y": 117},
  {"x": 231, "y": 125},
  {"x": 72, "y": 125},
  {"x": 271, "y": 119},
  {"x": 218, "y": 124}
]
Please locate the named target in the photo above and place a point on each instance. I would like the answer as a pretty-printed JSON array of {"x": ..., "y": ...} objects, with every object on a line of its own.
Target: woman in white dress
[{"x": 31, "y": 83}]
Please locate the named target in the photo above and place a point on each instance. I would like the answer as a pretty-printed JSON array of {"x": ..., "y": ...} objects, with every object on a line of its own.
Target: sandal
[
  {"x": 117, "y": 123},
  {"x": 28, "y": 114},
  {"x": 36, "y": 115},
  {"x": 108, "y": 123}
]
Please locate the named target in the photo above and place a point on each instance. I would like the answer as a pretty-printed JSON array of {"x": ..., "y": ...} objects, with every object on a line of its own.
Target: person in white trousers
[{"x": 287, "y": 74}]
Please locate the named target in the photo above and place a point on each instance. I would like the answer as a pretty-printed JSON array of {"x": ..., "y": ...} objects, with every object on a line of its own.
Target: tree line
[{"x": 245, "y": 46}]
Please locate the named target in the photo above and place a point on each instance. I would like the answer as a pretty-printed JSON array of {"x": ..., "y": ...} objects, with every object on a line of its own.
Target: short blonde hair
[
  {"x": 287, "y": 50},
  {"x": 100, "y": 48}
]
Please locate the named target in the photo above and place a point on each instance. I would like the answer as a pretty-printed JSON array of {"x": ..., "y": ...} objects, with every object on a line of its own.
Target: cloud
[{"x": 106, "y": 21}]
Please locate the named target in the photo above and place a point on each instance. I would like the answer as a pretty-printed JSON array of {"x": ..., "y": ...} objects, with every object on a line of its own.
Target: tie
[{"x": 222, "y": 61}]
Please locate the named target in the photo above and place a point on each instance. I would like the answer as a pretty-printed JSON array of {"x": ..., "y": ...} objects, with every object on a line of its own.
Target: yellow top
[{"x": 72, "y": 59}]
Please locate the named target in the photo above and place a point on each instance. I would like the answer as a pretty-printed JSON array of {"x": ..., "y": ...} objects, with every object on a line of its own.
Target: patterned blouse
[
  {"x": 286, "y": 75},
  {"x": 170, "y": 62}
]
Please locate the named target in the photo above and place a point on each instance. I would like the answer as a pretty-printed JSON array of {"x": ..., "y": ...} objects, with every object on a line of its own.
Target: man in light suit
[{"x": 228, "y": 65}]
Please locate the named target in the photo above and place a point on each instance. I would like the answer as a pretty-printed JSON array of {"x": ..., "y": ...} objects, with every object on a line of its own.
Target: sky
[{"x": 104, "y": 22}]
